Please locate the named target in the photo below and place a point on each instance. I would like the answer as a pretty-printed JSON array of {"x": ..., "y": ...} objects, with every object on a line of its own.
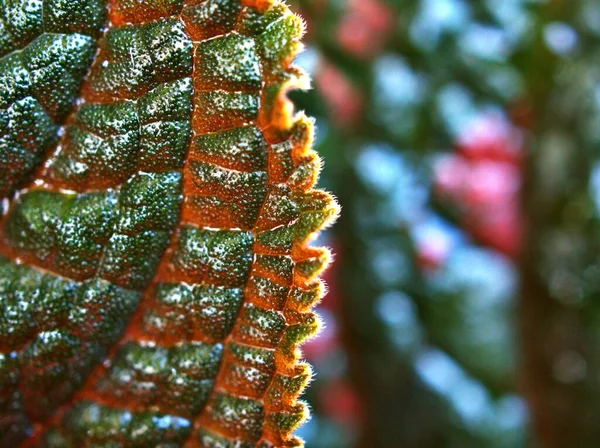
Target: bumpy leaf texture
[{"x": 155, "y": 273}]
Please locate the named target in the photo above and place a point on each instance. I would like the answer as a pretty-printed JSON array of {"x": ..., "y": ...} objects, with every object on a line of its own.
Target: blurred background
[{"x": 462, "y": 140}]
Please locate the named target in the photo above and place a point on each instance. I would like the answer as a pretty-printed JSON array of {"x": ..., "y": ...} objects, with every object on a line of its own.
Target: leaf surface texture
[{"x": 155, "y": 275}]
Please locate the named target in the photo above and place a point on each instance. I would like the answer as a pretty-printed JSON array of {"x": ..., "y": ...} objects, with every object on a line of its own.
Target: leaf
[{"x": 155, "y": 277}]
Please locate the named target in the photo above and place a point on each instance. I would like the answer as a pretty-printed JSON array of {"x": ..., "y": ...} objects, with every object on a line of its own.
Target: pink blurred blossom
[
  {"x": 340, "y": 401},
  {"x": 364, "y": 28},
  {"x": 342, "y": 98},
  {"x": 483, "y": 179}
]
